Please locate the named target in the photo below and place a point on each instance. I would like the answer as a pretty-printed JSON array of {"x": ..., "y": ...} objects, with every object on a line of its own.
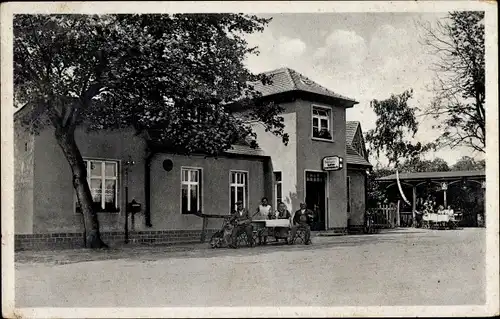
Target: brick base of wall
[
  {"x": 75, "y": 240},
  {"x": 355, "y": 229},
  {"x": 340, "y": 230}
]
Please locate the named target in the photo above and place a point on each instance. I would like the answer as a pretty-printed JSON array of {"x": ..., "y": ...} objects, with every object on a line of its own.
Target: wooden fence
[{"x": 384, "y": 216}]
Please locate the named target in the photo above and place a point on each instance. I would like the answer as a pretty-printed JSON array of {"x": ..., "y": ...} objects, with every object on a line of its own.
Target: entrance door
[{"x": 316, "y": 198}]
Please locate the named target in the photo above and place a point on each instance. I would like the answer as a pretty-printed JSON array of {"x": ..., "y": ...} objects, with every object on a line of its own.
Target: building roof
[
  {"x": 245, "y": 150},
  {"x": 241, "y": 147},
  {"x": 350, "y": 131},
  {"x": 433, "y": 175},
  {"x": 288, "y": 80},
  {"x": 353, "y": 157}
]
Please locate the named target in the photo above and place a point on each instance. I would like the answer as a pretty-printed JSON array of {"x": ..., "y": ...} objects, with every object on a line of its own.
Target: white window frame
[
  {"x": 328, "y": 118},
  {"x": 189, "y": 183},
  {"x": 276, "y": 183},
  {"x": 103, "y": 181},
  {"x": 236, "y": 185}
]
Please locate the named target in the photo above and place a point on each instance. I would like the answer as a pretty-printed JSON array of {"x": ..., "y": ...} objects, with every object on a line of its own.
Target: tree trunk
[{"x": 66, "y": 141}]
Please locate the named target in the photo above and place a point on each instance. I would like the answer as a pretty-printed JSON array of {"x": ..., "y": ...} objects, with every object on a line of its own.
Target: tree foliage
[
  {"x": 171, "y": 74},
  {"x": 419, "y": 165},
  {"x": 175, "y": 76},
  {"x": 377, "y": 193},
  {"x": 396, "y": 126},
  {"x": 467, "y": 163},
  {"x": 458, "y": 45}
]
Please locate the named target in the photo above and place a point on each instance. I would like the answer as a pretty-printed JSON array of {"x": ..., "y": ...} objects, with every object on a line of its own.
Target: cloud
[
  {"x": 291, "y": 48},
  {"x": 343, "y": 51},
  {"x": 275, "y": 52},
  {"x": 389, "y": 41},
  {"x": 364, "y": 63}
]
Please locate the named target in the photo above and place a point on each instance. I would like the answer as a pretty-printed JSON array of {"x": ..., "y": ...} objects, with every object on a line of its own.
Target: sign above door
[{"x": 332, "y": 163}]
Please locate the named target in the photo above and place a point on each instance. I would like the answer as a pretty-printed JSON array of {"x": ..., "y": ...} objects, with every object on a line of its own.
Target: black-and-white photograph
[{"x": 247, "y": 155}]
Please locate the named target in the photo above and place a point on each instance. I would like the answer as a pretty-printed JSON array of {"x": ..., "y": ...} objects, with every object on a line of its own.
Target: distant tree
[
  {"x": 174, "y": 75},
  {"x": 396, "y": 126},
  {"x": 377, "y": 193},
  {"x": 457, "y": 43},
  {"x": 418, "y": 165},
  {"x": 467, "y": 163}
]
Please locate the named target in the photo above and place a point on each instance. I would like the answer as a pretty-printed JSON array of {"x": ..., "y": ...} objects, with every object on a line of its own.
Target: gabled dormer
[{"x": 356, "y": 153}]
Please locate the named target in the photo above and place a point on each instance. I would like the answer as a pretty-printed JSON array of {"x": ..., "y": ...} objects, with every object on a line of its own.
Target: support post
[
  {"x": 414, "y": 204},
  {"x": 398, "y": 216},
  {"x": 444, "y": 199}
]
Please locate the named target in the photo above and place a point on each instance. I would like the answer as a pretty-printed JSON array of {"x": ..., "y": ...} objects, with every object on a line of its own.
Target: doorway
[{"x": 316, "y": 198}]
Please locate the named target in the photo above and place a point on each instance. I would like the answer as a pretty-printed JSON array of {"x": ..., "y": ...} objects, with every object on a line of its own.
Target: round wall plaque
[{"x": 168, "y": 165}]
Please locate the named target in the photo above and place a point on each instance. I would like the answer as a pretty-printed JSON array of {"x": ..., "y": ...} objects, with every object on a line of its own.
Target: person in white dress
[{"x": 264, "y": 211}]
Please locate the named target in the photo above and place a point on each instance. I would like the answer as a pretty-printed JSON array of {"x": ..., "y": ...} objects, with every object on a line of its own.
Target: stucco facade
[
  {"x": 304, "y": 153},
  {"x": 310, "y": 153},
  {"x": 283, "y": 157},
  {"x": 357, "y": 196},
  {"x": 24, "y": 179},
  {"x": 46, "y": 201},
  {"x": 300, "y": 163}
]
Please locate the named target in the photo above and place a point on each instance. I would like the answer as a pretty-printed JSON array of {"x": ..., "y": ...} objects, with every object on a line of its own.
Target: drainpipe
[{"x": 147, "y": 188}]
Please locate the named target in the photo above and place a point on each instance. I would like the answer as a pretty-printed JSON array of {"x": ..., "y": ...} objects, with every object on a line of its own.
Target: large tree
[
  {"x": 467, "y": 163},
  {"x": 420, "y": 165},
  {"x": 174, "y": 75},
  {"x": 395, "y": 130},
  {"x": 457, "y": 44}
]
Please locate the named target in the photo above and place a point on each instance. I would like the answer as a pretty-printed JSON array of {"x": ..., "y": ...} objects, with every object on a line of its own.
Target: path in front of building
[{"x": 406, "y": 267}]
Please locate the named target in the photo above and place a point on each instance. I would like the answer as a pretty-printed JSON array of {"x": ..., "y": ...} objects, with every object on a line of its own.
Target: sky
[{"x": 364, "y": 56}]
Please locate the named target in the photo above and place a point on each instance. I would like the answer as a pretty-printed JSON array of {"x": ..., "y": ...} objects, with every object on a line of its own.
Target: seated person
[
  {"x": 441, "y": 210},
  {"x": 450, "y": 211},
  {"x": 302, "y": 220},
  {"x": 282, "y": 213},
  {"x": 242, "y": 223},
  {"x": 263, "y": 212}
]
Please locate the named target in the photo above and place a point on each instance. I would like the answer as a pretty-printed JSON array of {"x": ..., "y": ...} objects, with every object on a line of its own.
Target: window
[
  {"x": 102, "y": 176},
  {"x": 190, "y": 190},
  {"x": 278, "y": 188},
  {"x": 321, "y": 123},
  {"x": 348, "y": 194},
  {"x": 238, "y": 188}
]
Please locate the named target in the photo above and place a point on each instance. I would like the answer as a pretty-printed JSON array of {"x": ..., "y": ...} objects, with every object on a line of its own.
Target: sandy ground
[{"x": 407, "y": 267}]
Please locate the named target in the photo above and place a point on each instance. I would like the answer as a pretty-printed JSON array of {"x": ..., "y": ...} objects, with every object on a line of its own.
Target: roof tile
[
  {"x": 245, "y": 150},
  {"x": 350, "y": 130},
  {"x": 352, "y": 157},
  {"x": 286, "y": 80}
]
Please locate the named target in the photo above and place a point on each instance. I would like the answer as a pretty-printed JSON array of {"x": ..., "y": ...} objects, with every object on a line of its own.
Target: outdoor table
[
  {"x": 269, "y": 225},
  {"x": 277, "y": 223},
  {"x": 443, "y": 218},
  {"x": 437, "y": 219}
]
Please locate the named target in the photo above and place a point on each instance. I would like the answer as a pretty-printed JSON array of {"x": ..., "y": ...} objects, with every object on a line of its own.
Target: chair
[
  {"x": 301, "y": 235},
  {"x": 242, "y": 239}
]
